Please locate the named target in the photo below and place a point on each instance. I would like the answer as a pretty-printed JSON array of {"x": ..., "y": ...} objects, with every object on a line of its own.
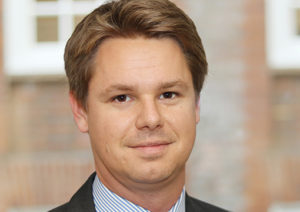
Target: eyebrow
[
  {"x": 176, "y": 83},
  {"x": 118, "y": 87},
  {"x": 128, "y": 88}
]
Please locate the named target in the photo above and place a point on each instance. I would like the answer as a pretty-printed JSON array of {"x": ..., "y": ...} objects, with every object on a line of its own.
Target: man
[{"x": 135, "y": 70}]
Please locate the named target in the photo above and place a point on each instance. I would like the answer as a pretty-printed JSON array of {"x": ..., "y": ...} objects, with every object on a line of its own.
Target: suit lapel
[{"x": 83, "y": 198}]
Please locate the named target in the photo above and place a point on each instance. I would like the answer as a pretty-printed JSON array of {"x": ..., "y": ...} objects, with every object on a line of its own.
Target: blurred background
[{"x": 246, "y": 156}]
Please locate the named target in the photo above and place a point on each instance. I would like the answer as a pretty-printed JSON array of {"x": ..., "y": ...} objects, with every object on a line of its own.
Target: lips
[
  {"x": 151, "y": 149},
  {"x": 150, "y": 144}
]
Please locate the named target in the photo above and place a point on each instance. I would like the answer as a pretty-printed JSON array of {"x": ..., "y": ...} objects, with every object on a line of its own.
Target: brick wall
[
  {"x": 3, "y": 101},
  {"x": 257, "y": 108},
  {"x": 41, "y": 118},
  {"x": 216, "y": 167},
  {"x": 39, "y": 179},
  {"x": 284, "y": 159},
  {"x": 45, "y": 152}
]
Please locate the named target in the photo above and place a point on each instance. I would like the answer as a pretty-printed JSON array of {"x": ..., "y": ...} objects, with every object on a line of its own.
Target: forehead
[
  {"x": 123, "y": 56},
  {"x": 139, "y": 45}
]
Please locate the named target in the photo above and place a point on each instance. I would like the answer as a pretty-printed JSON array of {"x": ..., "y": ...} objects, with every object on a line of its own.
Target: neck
[{"x": 156, "y": 197}]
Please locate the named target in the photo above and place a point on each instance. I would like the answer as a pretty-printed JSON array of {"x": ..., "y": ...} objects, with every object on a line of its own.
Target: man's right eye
[{"x": 121, "y": 98}]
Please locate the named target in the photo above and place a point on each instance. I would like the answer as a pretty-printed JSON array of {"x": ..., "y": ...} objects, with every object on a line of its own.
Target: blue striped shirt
[{"x": 106, "y": 200}]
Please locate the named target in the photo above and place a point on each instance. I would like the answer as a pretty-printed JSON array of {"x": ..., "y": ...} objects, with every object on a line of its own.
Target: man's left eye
[{"x": 168, "y": 95}]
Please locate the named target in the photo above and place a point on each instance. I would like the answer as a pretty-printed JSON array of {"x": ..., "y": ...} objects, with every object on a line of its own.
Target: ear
[
  {"x": 197, "y": 108},
  {"x": 79, "y": 114}
]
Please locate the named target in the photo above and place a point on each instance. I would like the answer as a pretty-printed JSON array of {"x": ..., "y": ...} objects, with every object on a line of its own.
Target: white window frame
[
  {"x": 283, "y": 43},
  {"x": 23, "y": 55}
]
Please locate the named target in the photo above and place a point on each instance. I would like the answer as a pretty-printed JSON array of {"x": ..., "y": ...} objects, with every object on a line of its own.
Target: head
[
  {"x": 129, "y": 19},
  {"x": 135, "y": 68}
]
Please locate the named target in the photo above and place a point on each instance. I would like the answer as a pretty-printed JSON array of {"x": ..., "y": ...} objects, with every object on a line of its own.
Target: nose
[{"x": 149, "y": 116}]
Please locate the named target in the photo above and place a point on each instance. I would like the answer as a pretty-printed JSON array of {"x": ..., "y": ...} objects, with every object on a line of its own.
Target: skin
[{"x": 141, "y": 117}]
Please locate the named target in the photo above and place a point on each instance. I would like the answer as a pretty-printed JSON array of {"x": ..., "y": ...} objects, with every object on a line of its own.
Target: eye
[
  {"x": 168, "y": 95},
  {"x": 121, "y": 98}
]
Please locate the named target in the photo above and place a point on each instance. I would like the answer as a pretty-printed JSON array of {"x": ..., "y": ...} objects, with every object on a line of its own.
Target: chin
[{"x": 153, "y": 176}]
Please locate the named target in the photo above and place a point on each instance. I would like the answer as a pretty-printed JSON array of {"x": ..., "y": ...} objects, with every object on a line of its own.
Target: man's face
[{"x": 141, "y": 111}]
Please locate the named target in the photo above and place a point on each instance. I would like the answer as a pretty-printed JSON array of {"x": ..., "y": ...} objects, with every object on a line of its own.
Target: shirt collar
[{"x": 106, "y": 200}]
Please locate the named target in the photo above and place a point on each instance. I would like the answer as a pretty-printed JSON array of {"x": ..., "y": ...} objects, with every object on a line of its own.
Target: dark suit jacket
[{"x": 82, "y": 201}]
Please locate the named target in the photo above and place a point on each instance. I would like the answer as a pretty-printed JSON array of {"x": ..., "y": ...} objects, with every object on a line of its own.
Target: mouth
[{"x": 153, "y": 149}]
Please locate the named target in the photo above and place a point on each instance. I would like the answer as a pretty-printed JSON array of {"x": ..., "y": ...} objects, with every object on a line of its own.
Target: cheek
[
  {"x": 183, "y": 118},
  {"x": 183, "y": 124},
  {"x": 108, "y": 130},
  {"x": 117, "y": 126}
]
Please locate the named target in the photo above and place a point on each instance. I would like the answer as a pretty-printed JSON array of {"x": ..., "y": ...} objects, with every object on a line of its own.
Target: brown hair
[{"x": 131, "y": 18}]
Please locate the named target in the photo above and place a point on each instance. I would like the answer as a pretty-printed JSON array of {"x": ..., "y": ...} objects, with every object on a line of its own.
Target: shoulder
[
  {"x": 192, "y": 204},
  {"x": 82, "y": 200}
]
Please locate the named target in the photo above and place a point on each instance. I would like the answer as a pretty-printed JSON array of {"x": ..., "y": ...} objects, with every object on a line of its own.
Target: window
[
  {"x": 35, "y": 33},
  {"x": 283, "y": 34}
]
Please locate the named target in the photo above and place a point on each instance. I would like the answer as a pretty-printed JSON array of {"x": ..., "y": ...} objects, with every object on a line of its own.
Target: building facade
[{"x": 245, "y": 156}]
